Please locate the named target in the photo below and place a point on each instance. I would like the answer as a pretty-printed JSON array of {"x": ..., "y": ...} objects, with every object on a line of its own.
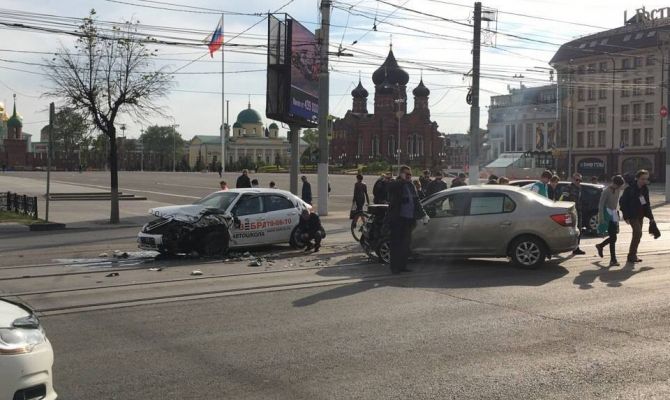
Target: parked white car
[
  {"x": 26, "y": 356},
  {"x": 226, "y": 219}
]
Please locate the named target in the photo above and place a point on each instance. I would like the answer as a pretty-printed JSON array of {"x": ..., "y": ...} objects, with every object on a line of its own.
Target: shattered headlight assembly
[{"x": 22, "y": 337}]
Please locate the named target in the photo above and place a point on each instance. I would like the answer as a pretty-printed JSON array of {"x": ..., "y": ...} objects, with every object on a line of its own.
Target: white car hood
[
  {"x": 9, "y": 313},
  {"x": 185, "y": 213}
]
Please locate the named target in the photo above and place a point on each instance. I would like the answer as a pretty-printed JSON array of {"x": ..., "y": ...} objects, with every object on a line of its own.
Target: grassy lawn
[{"x": 8, "y": 216}]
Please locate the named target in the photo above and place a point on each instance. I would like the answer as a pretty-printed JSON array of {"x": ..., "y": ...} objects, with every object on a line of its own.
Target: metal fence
[{"x": 19, "y": 203}]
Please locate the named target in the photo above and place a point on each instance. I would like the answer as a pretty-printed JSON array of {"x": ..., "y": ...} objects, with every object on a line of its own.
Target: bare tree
[{"x": 108, "y": 73}]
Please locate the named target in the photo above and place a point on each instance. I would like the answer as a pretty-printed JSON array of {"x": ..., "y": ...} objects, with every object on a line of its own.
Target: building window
[
  {"x": 636, "y": 137},
  {"x": 637, "y": 111},
  {"x": 580, "y": 93},
  {"x": 649, "y": 85},
  {"x": 649, "y": 111},
  {"x": 625, "y": 89},
  {"x": 637, "y": 87},
  {"x": 639, "y": 62},
  {"x": 591, "y": 68},
  {"x": 580, "y": 139},
  {"x": 603, "y": 66},
  {"x": 580, "y": 116},
  {"x": 651, "y": 60},
  {"x": 391, "y": 146},
  {"x": 580, "y": 70},
  {"x": 602, "y": 92},
  {"x": 359, "y": 146},
  {"x": 625, "y": 63},
  {"x": 602, "y": 111},
  {"x": 591, "y": 91},
  {"x": 648, "y": 136},
  {"x": 601, "y": 138},
  {"x": 625, "y": 139},
  {"x": 591, "y": 115},
  {"x": 625, "y": 109},
  {"x": 590, "y": 139}
]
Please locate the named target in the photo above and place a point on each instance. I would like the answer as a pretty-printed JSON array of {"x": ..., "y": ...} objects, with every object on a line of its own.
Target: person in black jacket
[
  {"x": 379, "y": 190},
  {"x": 635, "y": 206},
  {"x": 243, "y": 180},
  {"x": 436, "y": 185},
  {"x": 306, "y": 190},
  {"x": 574, "y": 193},
  {"x": 311, "y": 229},
  {"x": 425, "y": 179},
  {"x": 404, "y": 210},
  {"x": 459, "y": 181}
]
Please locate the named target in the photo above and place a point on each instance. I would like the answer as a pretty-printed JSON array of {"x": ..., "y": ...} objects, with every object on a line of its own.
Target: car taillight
[{"x": 562, "y": 219}]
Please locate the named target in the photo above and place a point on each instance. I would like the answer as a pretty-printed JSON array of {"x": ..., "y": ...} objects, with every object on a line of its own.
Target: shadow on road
[
  {"x": 440, "y": 275},
  {"x": 608, "y": 276}
]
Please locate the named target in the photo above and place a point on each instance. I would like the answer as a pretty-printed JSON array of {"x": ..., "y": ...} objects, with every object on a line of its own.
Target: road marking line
[{"x": 132, "y": 190}]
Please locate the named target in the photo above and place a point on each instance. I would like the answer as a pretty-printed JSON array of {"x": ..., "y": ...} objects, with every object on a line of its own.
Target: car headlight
[{"x": 20, "y": 340}]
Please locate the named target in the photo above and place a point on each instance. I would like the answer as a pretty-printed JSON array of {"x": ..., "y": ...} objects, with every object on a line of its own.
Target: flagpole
[{"x": 223, "y": 104}]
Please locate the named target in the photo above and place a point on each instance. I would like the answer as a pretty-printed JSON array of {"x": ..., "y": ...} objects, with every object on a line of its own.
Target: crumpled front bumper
[{"x": 147, "y": 241}]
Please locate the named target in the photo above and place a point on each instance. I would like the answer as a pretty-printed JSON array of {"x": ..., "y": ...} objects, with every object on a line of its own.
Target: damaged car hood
[{"x": 186, "y": 213}]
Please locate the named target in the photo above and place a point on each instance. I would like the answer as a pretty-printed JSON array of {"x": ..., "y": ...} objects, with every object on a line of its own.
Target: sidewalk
[{"x": 76, "y": 214}]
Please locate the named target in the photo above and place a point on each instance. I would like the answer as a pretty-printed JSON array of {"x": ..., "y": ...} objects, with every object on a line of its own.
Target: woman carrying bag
[{"x": 608, "y": 217}]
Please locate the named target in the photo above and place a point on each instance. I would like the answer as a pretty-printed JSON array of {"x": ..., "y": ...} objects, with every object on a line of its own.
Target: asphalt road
[{"x": 332, "y": 325}]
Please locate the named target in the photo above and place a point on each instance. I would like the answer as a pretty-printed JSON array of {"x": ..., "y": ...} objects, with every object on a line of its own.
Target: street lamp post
[{"x": 174, "y": 147}]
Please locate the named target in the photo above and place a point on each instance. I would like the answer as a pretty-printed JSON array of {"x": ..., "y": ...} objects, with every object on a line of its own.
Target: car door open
[{"x": 249, "y": 226}]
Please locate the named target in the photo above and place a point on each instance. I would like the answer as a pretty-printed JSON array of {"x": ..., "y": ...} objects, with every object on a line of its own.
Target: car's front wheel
[
  {"x": 296, "y": 239},
  {"x": 528, "y": 252},
  {"x": 215, "y": 244}
]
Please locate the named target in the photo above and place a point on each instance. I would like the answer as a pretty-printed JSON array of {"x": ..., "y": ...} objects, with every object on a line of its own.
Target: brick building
[{"x": 361, "y": 137}]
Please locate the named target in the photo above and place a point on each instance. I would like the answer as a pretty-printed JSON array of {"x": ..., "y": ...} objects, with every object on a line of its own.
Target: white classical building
[{"x": 249, "y": 140}]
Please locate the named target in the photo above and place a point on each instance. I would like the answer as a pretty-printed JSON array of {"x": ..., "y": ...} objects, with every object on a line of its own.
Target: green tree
[
  {"x": 109, "y": 72},
  {"x": 70, "y": 133},
  {"x": 163, "y": 142}
]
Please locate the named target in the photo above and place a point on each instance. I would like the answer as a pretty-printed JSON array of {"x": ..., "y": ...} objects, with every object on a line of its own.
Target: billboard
[
  {"x": 305, "y": 66},
  {"x": 293, "y": 73}
]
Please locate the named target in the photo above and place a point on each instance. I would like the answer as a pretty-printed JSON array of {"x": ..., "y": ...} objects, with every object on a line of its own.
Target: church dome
[
  {"x": 390, "y": 69},
  {"x": 359, "y": 92},
  {"x": 421, "y": 90},
  {"x": 237, "y": 125},
  {"x": 385, "y": 87},
  {"x": 249, "y": 116},
  {"x": 14, "y": 121}
]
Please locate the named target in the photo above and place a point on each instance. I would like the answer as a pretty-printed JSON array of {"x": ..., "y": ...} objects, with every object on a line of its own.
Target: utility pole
[
  {"x": 294, "y": 137},
  {"x": 473, "y": 160},
  {"x": 142, "y": 150},
  {"x": 324, "y": 92},
  {"x": 174, "y": 147},
  {"x": 52, "y": 112},
  {"x": 667, "y": 143}
]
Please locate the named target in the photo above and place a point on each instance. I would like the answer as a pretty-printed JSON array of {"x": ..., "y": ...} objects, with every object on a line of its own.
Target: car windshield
[{"x": 220, "y": 200}]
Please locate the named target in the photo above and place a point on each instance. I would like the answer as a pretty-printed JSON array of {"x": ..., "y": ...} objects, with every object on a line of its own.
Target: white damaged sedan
[
  {"x": 226, "y": 219},
  {"x": 26, "y": 356}
]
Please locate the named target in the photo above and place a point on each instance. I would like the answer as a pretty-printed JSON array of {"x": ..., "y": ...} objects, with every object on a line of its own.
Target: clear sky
[{"x": 422, "y": 44}]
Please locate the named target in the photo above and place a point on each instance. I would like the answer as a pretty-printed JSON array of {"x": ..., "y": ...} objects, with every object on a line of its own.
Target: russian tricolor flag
[{"x": 216, "y": 41}]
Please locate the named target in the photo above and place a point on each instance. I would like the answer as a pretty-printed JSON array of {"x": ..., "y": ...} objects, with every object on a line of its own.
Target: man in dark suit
[
  {"x": 243, "y": 181},
  {"x": 306, "y": 190},
  {"x": 404, "y": 210}
]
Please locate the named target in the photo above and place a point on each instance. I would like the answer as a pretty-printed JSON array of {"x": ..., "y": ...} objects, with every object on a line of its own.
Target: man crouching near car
[
  {"x": 311, "y": 229},
  {"x": 404, "y": 210}
]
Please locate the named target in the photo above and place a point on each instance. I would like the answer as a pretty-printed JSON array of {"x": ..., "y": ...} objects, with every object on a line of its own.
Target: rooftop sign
[{"x": 641, "y": 14}]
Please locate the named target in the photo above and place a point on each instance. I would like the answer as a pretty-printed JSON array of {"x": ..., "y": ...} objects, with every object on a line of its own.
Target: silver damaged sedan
[{"x": 494, "y": 221}]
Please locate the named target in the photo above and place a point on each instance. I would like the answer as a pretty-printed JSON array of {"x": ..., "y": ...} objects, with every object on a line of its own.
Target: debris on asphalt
[
  {"x": 321, "y": 263},
  {"x": 156, "y": 269},
  {"x": 256, "y": 263},
  {"x": 196, "y": 272},
  {"x": 103, "y": 255},
  {"x": 120, "y": 254},
  {"x": 112, "y": 274},
  {"x": 194, "y": 254}
]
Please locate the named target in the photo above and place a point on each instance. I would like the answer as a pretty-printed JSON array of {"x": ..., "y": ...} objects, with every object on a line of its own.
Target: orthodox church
[{"x": 362, "y": 137}]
